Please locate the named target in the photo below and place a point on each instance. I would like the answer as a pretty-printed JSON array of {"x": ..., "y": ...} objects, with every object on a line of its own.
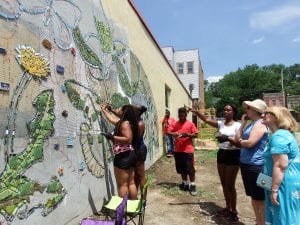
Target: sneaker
[
  {"x": 193, "y": 190},
  {"x": 169, "y": 155},
  {"x": 184, "y": 187},
  {"x": 233, "y": 218},
  {"x": 223, "y": 213}
]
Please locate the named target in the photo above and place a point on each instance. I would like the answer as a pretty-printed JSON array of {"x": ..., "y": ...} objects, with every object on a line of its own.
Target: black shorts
[
  {"x": 228, "y": 157},
  {"x": 125, "y": 160},
  {"x": 141, "y": 153},
  {"x": 249, "y": 175},
  {"x": 184, "y": 163}
]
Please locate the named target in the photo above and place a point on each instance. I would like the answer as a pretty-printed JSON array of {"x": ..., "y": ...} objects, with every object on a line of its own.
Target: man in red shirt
[
  {"x": 169, "y": 139},
  {"x": 184, "y": 131}
]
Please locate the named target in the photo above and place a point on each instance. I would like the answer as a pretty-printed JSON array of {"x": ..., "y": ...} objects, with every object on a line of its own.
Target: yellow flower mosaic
[{"x": 34, "y": 63}]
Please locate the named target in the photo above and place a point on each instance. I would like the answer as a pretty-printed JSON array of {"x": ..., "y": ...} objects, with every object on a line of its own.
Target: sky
[{"x": 229, "y": 34}]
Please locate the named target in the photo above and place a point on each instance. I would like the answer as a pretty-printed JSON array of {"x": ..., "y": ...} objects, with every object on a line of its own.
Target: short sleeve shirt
[
  {"x": 167, "y": 123},
  {"x": 184, "y": 144}
]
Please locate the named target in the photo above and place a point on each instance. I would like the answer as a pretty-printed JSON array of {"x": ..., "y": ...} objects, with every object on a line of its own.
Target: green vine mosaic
[
  {"x": 85, "y": 51},
  {"x": 130, "y": 89},
  {"x": 15, "y": 188},
  {"x": 105, "y": 35}
]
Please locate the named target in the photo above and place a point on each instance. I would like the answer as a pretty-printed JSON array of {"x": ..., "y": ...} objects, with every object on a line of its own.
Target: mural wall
[{"x": 59, "y": 59}]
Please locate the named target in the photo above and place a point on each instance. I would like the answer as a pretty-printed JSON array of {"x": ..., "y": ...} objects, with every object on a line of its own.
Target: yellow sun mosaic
[{"x": 34, "y": 63}]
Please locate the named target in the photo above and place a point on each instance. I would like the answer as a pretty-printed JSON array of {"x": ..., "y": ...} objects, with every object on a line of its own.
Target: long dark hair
[
  {"x": 234, "y": 111},
  {"x": 140, "y": 109},
  {"x": 129, "y": 115}
]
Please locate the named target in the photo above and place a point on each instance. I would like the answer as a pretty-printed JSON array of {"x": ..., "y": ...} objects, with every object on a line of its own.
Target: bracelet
[{"x": 274, "y": 190}]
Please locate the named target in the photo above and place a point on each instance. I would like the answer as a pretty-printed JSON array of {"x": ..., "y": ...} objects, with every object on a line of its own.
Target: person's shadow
[{"x": 208, "y": 209}]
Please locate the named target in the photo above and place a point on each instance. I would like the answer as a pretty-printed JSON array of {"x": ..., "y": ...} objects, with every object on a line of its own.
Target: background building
[
  {"x": 274, "y": 99},
  {"x": 187, "y": 66}
]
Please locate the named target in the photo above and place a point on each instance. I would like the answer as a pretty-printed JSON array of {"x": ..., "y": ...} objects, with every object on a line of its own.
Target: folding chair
[
  {"x": 119, "y": 219},
  {"x": 134, "y": 208}
]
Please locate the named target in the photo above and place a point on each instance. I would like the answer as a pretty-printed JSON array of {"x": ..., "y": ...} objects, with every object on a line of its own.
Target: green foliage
[
  {"x": 37, "y": 152},
  {"x": 130, "y": 88},
  {"x": 100, "y": 138},
  {"x": 26, "y": 189},
  {"x": 52, "y": 202},
  {"x": 10, "y": 209},
  {"x": 53, "y": 187},
  {"x": 250, "y": 83},
  {"x": 105, "y": 35},
  {"x": 74, "y": 96},
  {"x": 117, "y": 100},
  {"x": 14, "y": 163},
  {"x": 86, "y": 52}
]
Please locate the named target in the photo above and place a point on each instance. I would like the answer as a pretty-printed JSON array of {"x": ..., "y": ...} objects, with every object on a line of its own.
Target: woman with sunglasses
[
  {"x": 282, "y": 163},
  {"x": 228, "y": 157},
  {"x": 253, "y": 137}
]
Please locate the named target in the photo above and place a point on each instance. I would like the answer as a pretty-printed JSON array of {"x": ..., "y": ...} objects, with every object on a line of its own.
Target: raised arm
[
  {"x": 204, "y": 118},
  {"x": 111, "y": 117}
]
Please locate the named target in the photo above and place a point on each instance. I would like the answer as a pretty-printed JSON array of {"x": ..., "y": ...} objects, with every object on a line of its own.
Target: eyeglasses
[{"x": 267, "y": 113}]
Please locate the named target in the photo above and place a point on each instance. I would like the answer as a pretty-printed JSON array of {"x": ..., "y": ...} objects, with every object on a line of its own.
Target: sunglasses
[{"x": 267, "y": 113}]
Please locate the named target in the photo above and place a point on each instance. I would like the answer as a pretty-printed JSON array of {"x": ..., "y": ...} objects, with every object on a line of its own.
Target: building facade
[
  {"x": 187, "y": 66},
  {"x": 59, "y": 60},
  {"x": 274, "y": 99}
]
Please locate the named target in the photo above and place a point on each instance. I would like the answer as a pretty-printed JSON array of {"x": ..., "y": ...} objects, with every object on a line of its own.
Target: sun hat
[{"x": 257, "y": 104}]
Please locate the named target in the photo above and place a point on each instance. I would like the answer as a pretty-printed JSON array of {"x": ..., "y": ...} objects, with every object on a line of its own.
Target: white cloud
[
  {"x": 258, "y": 40},
  {"x": 212, "y": 79},
  {"x": 275, "y": 17}
]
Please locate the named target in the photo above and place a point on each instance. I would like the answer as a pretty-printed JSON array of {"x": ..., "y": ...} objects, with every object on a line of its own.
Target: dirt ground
[{"x": 167, "y": 205}]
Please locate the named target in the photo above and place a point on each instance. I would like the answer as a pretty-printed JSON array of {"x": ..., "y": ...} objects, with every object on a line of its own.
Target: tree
[{"x": 250, "y": 83}]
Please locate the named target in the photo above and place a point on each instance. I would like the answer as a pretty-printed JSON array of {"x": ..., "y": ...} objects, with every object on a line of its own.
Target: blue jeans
[{"x": 170, "y": 143}]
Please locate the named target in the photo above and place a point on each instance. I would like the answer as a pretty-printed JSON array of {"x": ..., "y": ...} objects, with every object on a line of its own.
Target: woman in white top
[{"x": 228, "y": 157}]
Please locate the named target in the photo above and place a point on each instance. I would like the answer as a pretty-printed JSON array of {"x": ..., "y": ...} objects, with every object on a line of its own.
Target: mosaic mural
[{"x": 58, "y": 63}]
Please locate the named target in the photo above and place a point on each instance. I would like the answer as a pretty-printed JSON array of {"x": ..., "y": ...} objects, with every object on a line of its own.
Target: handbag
[{"x": 264, "y": 181}]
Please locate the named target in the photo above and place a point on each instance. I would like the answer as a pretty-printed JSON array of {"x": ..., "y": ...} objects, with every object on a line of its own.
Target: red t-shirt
[
  {"x": 184, "y": 144},
  {"x": 167, "y": 123}
]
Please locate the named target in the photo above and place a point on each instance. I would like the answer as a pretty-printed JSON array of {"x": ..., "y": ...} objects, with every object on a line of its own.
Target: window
[
  {"x": 273, "y": 102},
  {"x": 190, "y": 67},
  {"x": 167, "y": 96},
  {"x": 180, "y": 68},
  {"x": 281, "y": 102}
]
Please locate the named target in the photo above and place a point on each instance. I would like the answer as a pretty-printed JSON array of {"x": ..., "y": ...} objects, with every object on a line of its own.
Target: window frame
[
  {"x": 188, "y": 68},
  {"x": 179, "y": 69}
]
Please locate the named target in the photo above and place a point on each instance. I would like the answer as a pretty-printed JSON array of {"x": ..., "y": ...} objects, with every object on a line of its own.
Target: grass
[
  {"x": 205, "y": 155},
  {"x": 173, "y": 190}
]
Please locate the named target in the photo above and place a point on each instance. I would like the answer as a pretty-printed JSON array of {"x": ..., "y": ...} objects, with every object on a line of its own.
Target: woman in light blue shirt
[{"x": 282, "y": 163}]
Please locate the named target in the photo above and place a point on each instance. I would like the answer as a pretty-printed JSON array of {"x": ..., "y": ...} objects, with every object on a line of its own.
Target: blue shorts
[{"x": 141, "y": 153}]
